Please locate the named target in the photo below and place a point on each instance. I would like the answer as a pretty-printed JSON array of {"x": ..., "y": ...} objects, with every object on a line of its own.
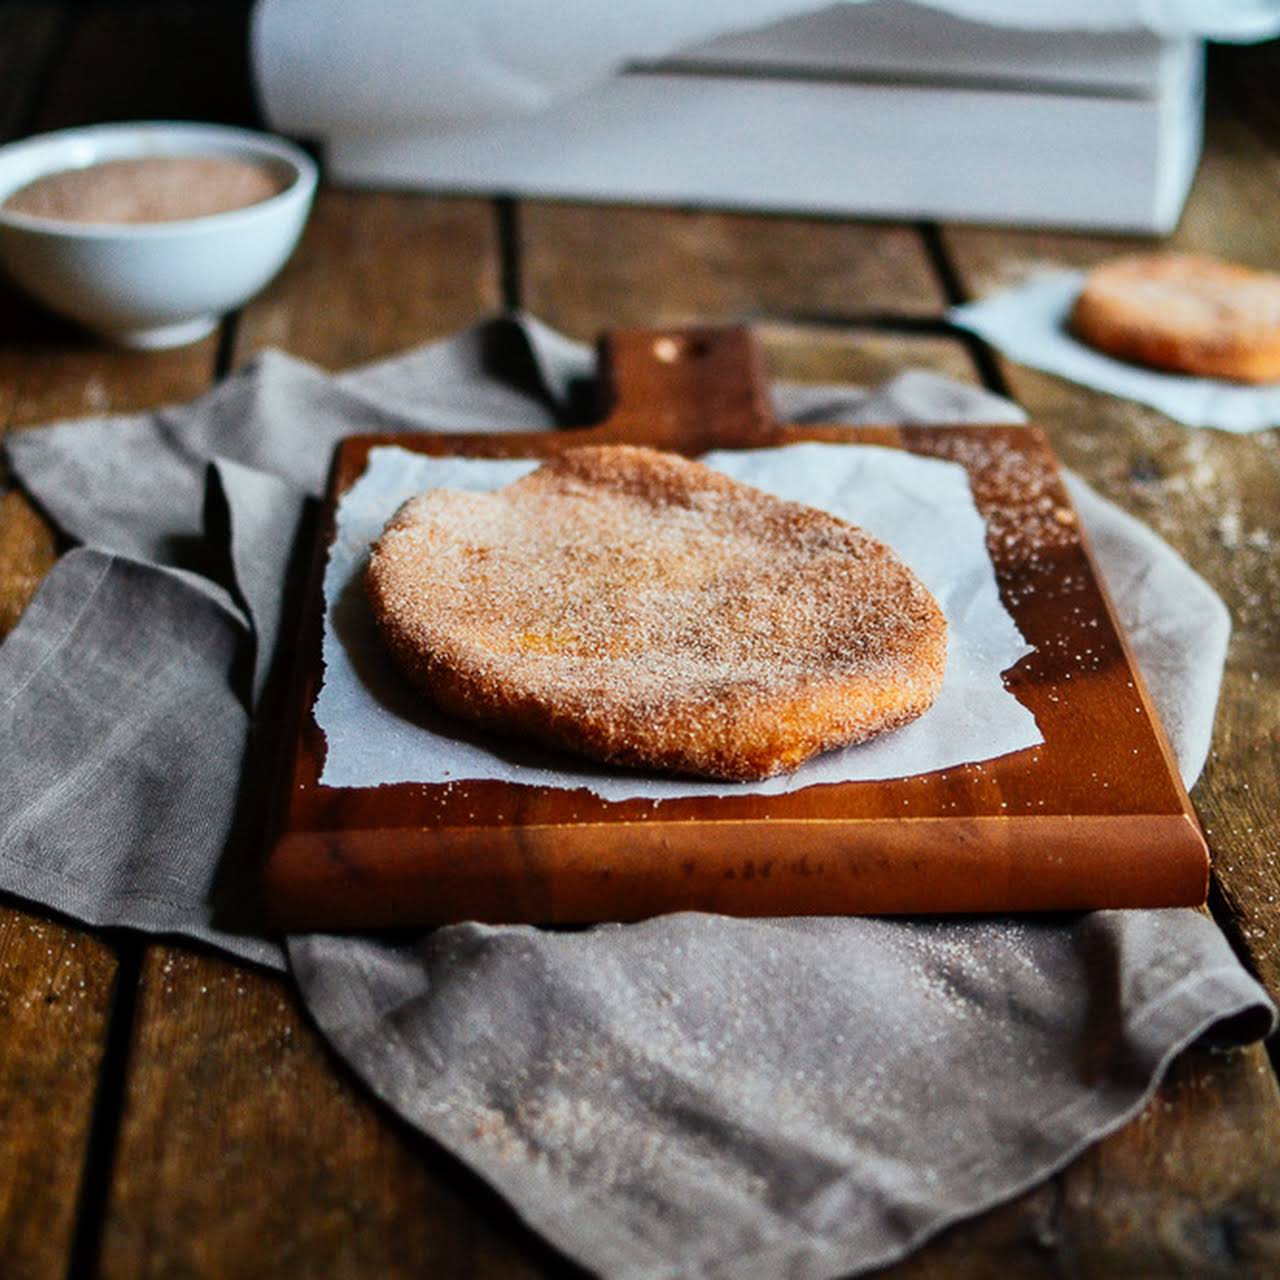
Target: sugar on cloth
[
  {"x": 1029, "y": 324},
  {"x": 688, "y": 1096}
]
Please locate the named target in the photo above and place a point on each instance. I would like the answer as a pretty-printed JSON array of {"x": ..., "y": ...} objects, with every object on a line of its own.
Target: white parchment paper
[
  {"x": 1029, "y": 324},
  {"x": 380, "y": 730}
]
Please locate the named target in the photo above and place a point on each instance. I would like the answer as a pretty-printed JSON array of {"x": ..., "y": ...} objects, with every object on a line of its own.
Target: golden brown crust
[
  {"x": 644, "y": 610},
  {"x": 1185, "y": 313}
]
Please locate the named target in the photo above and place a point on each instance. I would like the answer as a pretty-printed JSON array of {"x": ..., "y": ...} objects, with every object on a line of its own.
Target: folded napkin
[{"x": 689, "y": 1096}]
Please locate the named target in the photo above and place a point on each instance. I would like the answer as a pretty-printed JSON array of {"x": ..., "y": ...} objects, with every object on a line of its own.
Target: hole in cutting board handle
[
  {"x": 672, "y": 347},
  {"x": 684, "y": 389}
]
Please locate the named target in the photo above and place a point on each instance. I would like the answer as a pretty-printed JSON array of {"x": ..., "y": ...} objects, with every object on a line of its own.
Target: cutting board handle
[{"x": 677, "y": 388}]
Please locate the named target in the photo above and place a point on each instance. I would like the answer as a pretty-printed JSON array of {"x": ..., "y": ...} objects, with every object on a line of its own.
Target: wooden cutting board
[{"x": 1094, "y": 817}]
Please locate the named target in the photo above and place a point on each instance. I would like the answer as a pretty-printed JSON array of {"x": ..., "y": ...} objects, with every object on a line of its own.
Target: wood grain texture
[
  {"x": 52, "y": 1051},
  {"x": 1200, "y": 1170},
  {"x": 55, "y": 995},
  {"x": 388, "y": 1205},
  {"x": 376, "y": 273},
  {"x": 27, "y": 553},
  {"x": 49, "y": 370},
  {"x": 589, "y": 268},
  {"x": 855, "y": 355}
]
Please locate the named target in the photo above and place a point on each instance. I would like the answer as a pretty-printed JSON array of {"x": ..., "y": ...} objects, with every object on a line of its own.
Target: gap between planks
[
  {"x": 949, "y": 280},
  {"x": 104, "y": 1125},
  {"x": 507, "y": 226},
  {"x": 506, "y": 210}
]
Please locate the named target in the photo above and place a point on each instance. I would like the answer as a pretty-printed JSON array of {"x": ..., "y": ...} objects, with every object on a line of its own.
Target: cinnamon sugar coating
[
  {"x": 644, "y": 610},
  {"x": 1185, "y": 313}
]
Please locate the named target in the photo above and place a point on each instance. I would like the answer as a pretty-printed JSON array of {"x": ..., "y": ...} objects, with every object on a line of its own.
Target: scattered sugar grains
[
  {"x": 1032, "y": 516},
  {"x": 638, "y": 1048},
  {"x": 1199, "y": 494},
  {"x": 1029, "y": 527}
]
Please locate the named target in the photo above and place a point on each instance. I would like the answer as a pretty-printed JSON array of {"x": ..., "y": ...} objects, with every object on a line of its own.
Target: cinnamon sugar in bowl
[
  {"x": 148, "y": 233},
  {"x": 148, "y": 189}
]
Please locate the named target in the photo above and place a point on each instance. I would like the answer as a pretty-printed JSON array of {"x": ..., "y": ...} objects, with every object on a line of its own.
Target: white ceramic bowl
[{"x": 155, "y": 284}]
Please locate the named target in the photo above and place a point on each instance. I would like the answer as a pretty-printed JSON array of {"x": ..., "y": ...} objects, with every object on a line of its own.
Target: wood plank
[
  {"x": 49, "y": 370},
  {"x": 54, "y": 1046},
  {"x": 588, "y": 268},
  {"x": 1192, "y": 1203},
  {"x": 229, "y": 1077},
  {"x": 377, "y": 273},
  {"x": 244, "y": 1147},
  {"x": 27, "y": 553},
  {"x": 173, "y": 57}
]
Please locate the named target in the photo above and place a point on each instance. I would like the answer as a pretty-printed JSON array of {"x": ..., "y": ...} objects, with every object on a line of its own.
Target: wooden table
[{"x": 166, "y": 1112}]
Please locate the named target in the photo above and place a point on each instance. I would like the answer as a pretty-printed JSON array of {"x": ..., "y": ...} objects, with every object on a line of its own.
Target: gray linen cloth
[{"x": 688, "y": 1096}]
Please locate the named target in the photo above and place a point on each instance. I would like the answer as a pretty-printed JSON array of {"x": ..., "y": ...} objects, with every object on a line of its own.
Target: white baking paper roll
[
  {"x": 327, "y": 66},
  {"x": 331, "y": 67}
]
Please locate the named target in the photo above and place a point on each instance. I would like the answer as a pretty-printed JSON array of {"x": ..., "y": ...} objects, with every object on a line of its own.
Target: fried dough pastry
[
  {"x": 644, "y": 610},
  {"x": 1185, "y": 313}
]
